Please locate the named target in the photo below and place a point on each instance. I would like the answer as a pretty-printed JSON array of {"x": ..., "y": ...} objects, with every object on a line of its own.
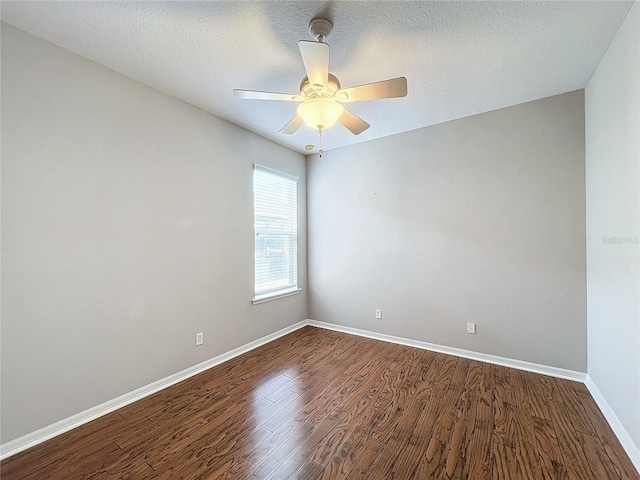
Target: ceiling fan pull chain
[{"x": 320, "y": 151}]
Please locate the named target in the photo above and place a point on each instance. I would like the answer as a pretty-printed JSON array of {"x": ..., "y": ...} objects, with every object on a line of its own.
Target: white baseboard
[
  {"x": 616, "y": 425},
  {"x": 34, "y": 438},
  {"x": 458, "y": 352}
]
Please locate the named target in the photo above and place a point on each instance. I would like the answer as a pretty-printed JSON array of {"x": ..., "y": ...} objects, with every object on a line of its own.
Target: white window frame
[{"x": 262, "y": 292}]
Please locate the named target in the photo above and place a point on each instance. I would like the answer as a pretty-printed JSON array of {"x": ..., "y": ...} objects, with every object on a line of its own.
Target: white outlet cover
[
  {"x": 199, "y": 338},
  {"x": 471, "y": 328}
]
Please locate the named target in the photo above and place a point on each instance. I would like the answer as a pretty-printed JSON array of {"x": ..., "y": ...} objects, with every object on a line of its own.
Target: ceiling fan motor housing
[{"x": 309, "y": 91}]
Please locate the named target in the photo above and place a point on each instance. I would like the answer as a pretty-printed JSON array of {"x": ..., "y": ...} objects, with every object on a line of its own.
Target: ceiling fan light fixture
[{"x": 320, "y": 113}]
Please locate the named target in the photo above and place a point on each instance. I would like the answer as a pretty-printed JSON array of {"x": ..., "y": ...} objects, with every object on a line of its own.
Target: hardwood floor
[{"x": 318, "y": 404}]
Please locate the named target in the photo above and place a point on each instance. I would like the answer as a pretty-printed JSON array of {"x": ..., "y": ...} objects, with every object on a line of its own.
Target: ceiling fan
[{"x": 321, "y": 94}]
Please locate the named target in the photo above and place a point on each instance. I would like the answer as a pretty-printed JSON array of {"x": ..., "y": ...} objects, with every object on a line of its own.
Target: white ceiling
[{"x": 460, "y": 58}]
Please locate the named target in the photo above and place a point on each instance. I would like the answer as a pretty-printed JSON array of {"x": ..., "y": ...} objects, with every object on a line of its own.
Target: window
[{"x": 275, "y": 211}]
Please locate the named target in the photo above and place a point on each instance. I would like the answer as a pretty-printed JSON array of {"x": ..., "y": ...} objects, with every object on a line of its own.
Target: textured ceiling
[{"x": 460, "y": 58}]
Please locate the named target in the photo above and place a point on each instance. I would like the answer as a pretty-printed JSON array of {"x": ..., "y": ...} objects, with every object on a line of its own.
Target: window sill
[{"x": 275, "y": 295}]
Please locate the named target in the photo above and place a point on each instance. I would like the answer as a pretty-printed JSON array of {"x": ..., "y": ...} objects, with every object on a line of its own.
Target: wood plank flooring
[{"x": 318, "y": 404}]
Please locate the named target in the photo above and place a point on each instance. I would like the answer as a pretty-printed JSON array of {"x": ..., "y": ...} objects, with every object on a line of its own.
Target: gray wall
[
  {"x": 127, "y": 227},
  {"x": 476, "y": 220},
  {"x": 613, "y": 224}
]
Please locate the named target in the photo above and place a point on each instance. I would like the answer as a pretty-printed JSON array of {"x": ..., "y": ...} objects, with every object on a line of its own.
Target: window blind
[{"x": 275, "y": 207}]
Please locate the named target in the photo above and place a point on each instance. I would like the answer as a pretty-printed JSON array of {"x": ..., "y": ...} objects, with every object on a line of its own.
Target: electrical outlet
[
  {"x": 471, "y": 328},
  {"x": 378, "y": 314},
  {"x": 199, "y": 338}
]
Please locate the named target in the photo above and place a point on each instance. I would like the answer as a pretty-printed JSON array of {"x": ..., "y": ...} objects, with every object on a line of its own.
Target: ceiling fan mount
[
  {"x": 320, "y": 28},
  {"x": 321, "y": 94}
]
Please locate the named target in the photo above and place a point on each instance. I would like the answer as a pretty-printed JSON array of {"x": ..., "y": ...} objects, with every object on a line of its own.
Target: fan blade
[
  {"x": 293, "y": 126},
  {"x": 394, "y": 88},
  {"x": 315, "y": 56},
  {"x": 255, "y": 95},
  {"x": 353, "y": 123}
]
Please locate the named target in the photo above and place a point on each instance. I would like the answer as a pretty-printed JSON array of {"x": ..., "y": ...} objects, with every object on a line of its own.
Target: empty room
[{"x": 320, "y": 240}]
